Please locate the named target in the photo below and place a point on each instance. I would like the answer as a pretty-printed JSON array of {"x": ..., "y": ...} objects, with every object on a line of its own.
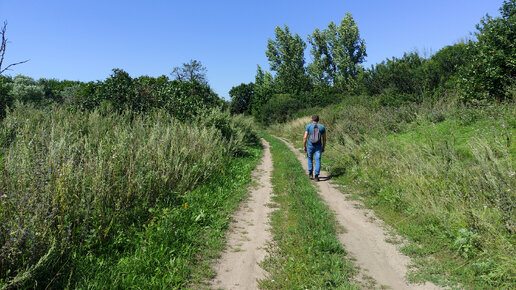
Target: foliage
[
  {"x": 5, "y": 97},
  {"x": 53, "y": 88},
  {"x": 337, "y": 52},
  {"x": 82, "y": 182},
  {"x": 286, "y": 58},
  {"x": 263, "y": 90},
  {"x": 169, "y": 252},
  {"x": 442, "y": 68},
  {"x": 242, "y": 98},
  {"x": 397, "y": 76},
  {"x": 279, "y": 108},
  {"x": 26, "y": 89},
  {"x": 182, "y": 99},
  {"x": 192, "y": 71},
  {"x": 492, "y": 72}
]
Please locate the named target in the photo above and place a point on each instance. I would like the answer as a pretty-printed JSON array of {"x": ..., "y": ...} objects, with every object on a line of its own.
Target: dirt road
[
  {"x": 364, "y": 237},
  {"x": 381, "y": 264},
  {"x": 238, "y": 267}
]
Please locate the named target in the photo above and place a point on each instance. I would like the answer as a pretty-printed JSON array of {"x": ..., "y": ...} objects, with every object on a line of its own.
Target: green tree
[
  {"x": 286, "y": 58},
  {"x": 491, "y": 75},
  {"x": 119, "y": 89},
  {"x": 440, "y": 71},
  {"x": 263, "y": 91},
  {"x": 321, "y": 67},
  {"x": 242, "y": 98},
  {"x": 337, "y": 53}
]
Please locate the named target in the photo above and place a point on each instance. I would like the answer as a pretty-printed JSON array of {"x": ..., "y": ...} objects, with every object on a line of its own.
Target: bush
[
  {"x": 26, "y": 90},
  {"x": 280, "y": 108}
]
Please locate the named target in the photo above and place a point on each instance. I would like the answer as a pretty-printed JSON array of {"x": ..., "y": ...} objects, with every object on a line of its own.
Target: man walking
[{"x": 315, "y": 137}]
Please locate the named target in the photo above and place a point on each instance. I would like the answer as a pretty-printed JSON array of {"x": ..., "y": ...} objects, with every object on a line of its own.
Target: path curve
[
  {"x": 363, "y": 238},
  {"x": 248, "y": 235}
]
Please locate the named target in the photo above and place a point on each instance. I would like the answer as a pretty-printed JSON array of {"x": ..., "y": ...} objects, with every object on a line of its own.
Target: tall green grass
[
  {"x": 442, "y": 174},
  {"x": 177, "y": 247},
  {"x": 76, "y": 183}
]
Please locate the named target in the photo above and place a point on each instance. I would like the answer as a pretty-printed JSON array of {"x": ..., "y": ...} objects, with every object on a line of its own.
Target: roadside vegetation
[
  {"x": 443, "y": 175},
  {"x": 305, "y": 252},
  {"x": 111, "y": 186},
  {"x": 130, "y": 182}
]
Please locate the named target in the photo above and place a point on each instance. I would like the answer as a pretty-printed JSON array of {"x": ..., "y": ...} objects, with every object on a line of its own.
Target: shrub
[
  {"x": 280, "y": 108},
  {"x": 25, "y": 90}
]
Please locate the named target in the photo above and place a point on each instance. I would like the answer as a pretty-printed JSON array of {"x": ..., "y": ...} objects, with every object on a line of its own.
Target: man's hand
[
  {"x": 322, "y": 150},
  {"x": 305, "y": 148}
]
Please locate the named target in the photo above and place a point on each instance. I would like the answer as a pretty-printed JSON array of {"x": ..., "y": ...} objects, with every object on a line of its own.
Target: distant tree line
[
  {"x": 184, "y": 96},
  {"x": 475, "y": 71}
]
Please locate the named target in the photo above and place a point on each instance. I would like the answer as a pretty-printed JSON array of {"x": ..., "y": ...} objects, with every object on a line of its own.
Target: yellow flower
[{"x": 185, "y": 205}]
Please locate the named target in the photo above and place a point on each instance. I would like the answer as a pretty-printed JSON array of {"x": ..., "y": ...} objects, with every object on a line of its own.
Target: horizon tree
[
  {"x": 286, "y": 58},
  {"x": 191, "y": 71},
  {"x": 337, "y": 52}
]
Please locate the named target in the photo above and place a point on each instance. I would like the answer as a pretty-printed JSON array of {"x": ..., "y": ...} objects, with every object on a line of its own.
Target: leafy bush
[
  {"x": 25, "y": 89},
  {"x": 402, "y": 76},
  {"x": 242, "y": 98},
  {"x": 280, "y": 108},
  {"x": 491, "y": 73}
]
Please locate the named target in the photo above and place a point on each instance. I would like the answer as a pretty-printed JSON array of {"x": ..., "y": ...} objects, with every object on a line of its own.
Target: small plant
[{"x": 466, "y": 243}]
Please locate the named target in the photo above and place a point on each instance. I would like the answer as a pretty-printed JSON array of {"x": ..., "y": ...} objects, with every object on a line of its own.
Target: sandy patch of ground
[{"x": 238, "y": 267}]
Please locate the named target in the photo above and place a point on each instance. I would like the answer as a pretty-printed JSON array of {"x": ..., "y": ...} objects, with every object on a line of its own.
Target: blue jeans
[{"x": 314, "y": 151}]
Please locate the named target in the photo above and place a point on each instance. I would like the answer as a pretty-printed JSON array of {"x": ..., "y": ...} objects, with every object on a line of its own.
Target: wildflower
[
  {"x": 185, "y": 205},
  {"x": 3, "y": 196}
]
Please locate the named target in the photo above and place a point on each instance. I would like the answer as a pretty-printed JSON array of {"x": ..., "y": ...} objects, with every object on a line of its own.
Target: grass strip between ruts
[{"x": 306, "y": 252}]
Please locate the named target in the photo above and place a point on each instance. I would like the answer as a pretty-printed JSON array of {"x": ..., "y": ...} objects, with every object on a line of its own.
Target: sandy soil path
[
  {"x": 238, "y": 267},
  {"x": 364, "y": 237}
]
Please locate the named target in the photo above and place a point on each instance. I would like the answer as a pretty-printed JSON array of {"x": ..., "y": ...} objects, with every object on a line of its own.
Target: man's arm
[
  {"x": 305, "y": 138},
  {"x": 323, "y": 141}
]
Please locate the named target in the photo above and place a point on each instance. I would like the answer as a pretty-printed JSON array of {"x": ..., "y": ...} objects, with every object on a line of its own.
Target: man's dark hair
[{"x": 315, "y": 118}]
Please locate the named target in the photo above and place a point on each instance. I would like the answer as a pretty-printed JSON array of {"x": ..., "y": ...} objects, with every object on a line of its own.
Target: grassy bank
[
  {"x": 441, "y": 174},
  {"x": 86, "y": 187},
  {"x": 176, "y": 248},
  {"x": 307, "y": 253}
]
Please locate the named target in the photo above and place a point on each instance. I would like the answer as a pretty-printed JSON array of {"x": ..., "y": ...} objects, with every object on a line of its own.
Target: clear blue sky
[{"x": 84, "y": 40}]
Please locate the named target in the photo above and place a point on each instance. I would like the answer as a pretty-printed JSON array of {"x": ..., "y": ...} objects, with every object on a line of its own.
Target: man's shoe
[
  {"x": 310, "y": 175},
  {"x": 317, "y": 178}
]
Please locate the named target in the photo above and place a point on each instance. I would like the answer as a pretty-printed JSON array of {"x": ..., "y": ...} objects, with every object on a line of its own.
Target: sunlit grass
[
  {"x": 442, "y": 174},
  {"x": 76, "y": 183},
  {"x": 306, "y": 252}
]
